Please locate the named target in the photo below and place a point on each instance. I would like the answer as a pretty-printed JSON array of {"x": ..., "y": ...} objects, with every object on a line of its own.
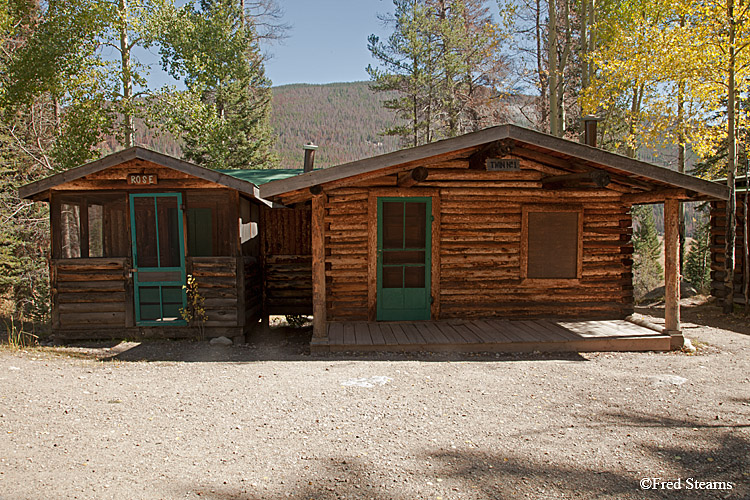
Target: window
[
  {"x": 70, "y": 230},
  {"x": 90, "y": 226},
  {"x": 551, "y": 243}
]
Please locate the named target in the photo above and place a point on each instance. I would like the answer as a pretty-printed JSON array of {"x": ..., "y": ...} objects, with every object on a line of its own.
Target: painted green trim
[
  {"x": 418, "y": 295},
  {"x": 160, "y": 285}
]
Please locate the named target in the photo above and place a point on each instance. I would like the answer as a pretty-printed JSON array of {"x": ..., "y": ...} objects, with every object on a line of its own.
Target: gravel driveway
[{"x": 268, "y": 421}]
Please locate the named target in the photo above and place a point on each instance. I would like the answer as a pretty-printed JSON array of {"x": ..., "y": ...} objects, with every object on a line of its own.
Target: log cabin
[
  {"x": 471, "y": 243},
  {"x": 740, "y": 284},
  {"x": 129, "y": 228},
  {"x": 438, "y": 246}
]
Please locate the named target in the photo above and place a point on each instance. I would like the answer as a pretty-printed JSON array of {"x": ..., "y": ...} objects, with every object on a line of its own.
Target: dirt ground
[{"x": 269, "y": 421}]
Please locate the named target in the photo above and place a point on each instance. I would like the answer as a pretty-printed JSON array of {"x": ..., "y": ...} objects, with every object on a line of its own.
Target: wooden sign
[
  {"x": 142, "y": 179},
  {"x": 503, "y": 165}
]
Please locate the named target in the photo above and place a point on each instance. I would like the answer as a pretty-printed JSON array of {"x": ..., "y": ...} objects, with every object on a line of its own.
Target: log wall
[
  {"x": 90, "y": 293},
  {"x": 718, "y": 255},
  {"x": 480, "y": 247},
  {"x": 217, "y": 279},
  {"x": 286, "y": 260}
]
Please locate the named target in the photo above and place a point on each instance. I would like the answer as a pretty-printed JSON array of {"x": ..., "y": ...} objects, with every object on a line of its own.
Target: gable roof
[
  {"x": 545, "y": 143},
  {"x": 244, "y": 181}
]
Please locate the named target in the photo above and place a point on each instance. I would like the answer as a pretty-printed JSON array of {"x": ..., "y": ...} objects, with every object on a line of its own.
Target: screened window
[
  {"x": 553, "y": 246},
  {"x": 70, "y": 230},
  {"x": 90, "y": 225}
]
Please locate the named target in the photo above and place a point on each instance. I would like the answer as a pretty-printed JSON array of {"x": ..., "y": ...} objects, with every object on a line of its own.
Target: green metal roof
[{"x": 259, "y": 176}]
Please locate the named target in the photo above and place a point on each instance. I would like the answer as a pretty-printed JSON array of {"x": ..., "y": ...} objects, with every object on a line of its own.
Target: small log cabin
[
  {"x": 718, "y": 248},
  {"x": 504, "y": 223},
  {"x": 128, "y": 229}
]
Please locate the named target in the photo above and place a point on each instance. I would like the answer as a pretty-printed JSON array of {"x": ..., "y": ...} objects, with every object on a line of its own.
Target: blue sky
[{"x": 327, "y": 42}]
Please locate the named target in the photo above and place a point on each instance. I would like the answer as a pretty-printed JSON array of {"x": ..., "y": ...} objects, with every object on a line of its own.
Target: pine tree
[
  {"x": 443, "y": 59},
  {"x": 698, "y": 260},
  {"x": 647, "y": 271}
]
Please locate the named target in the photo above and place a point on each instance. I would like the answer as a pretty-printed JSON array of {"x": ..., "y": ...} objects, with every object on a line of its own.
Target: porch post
[
  {"x": 320, "y": 330},
  {"x": 672, "y": 271}
]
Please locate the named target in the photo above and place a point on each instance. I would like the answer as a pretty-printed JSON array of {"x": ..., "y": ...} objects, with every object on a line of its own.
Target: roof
[
  {"x": 551, "y": 146},
  {"x": 244, "y": 181},
  {"x": 258, "y": 177}
]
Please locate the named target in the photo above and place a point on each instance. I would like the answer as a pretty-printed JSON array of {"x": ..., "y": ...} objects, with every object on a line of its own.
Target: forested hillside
[{"x": 343, "y": 119}]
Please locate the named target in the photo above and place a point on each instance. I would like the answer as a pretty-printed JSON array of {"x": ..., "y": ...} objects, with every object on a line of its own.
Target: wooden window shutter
[{"x": 552, "y": 245}]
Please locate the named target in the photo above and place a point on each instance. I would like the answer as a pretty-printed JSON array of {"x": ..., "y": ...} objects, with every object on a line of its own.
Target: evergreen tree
[
  {"x": 224, "y": 115},
  {"x": 647, "y": 271},
  {"x": 444, "y": 62},
  {"x": 698, "y": 260}
]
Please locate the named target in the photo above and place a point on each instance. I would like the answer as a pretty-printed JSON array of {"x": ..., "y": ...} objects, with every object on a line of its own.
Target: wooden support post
[
  {"x": 320, "y": 328},
  {"x": 672, "y": 271}
]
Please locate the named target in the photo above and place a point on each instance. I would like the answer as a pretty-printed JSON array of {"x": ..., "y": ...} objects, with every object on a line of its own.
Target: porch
[{"x": 493, "y": 335}]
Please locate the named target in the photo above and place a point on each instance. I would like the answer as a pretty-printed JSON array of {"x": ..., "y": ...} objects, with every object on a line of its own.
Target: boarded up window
[
  {"x": 200, "y": 233},
  {"x": 552, "y": 245}
]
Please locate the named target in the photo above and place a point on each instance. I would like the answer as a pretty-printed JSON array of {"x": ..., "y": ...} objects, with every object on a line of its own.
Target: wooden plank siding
[
  {"x": 479, "y": 257},
  {"x": 718, "y": 255}
]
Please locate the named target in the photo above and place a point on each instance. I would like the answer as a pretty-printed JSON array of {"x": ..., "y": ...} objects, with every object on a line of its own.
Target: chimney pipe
[
  {"x": 309, "y": 148},
  {"x": 589, "y": 130}
]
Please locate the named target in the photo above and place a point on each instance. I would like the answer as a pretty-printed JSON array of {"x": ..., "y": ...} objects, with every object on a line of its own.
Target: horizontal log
[
  {"x": 87, "y": 266},
  {"x": 95, "y": 318},
  {"x": 90, "y": 286},
  {"x": 91, "y": 307},
  {"x": 99, "y": 276},
  {"x": 73, "y": 297}
]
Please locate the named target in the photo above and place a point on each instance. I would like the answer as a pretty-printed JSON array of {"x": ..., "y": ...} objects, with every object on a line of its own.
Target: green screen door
[
  {"x": 158, "y": 258},
  {"x": 404, "y": 240}
]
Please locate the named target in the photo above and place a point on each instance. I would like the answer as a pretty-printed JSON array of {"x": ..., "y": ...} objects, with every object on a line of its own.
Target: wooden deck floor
[{"x": 495, "y": 335}]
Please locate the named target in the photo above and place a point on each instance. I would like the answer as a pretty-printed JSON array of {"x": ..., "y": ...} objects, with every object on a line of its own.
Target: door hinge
[{"x": 432, "y": 299}]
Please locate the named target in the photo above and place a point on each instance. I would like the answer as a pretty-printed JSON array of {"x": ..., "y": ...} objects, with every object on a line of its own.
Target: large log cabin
[
  {"x": 396, "y": 250},
  {"x": 502, "y": 223}
]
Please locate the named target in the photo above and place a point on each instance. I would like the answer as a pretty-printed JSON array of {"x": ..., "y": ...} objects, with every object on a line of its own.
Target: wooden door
[
  {"x": 403, "y": 255},
  {"x": 156, "y": 227}
]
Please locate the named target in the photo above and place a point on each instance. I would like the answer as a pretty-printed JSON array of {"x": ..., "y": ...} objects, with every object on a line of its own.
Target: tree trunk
[
  {"x": 681, "y": 157},
  {"x": 127, "y": 79},
  {"x": 554, "y": 126},
  {"x": 543, "y": 78},
  {"x": 731, "y": 164}
]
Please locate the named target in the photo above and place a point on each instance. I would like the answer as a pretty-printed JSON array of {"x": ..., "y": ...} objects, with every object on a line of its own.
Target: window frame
[{"x": 524, "y": 253}]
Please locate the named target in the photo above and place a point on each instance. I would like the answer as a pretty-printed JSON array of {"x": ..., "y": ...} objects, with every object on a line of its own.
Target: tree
[
  {"x": 92, "y": 95},
  {"x": 224, "y": 114},
  {"x": 23, "y": 225},
  {"x": 647, "y": 271},
  {"x": 443, "y": 60},
  {"x": 408, "y": 64},
  {"x": 698, "y": 260}
]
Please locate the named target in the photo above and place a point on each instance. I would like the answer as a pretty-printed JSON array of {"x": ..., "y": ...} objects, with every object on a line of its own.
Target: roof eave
[{"x": 31, "y": 190}]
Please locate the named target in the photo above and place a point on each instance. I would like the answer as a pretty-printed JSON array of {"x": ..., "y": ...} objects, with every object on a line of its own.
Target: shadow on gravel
[
  {"x": 455, "y": 474},
  {"x": 703, "y": 313},
  {"x": 274, "y": 344},
  {"x": 717, "y": 457}
]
